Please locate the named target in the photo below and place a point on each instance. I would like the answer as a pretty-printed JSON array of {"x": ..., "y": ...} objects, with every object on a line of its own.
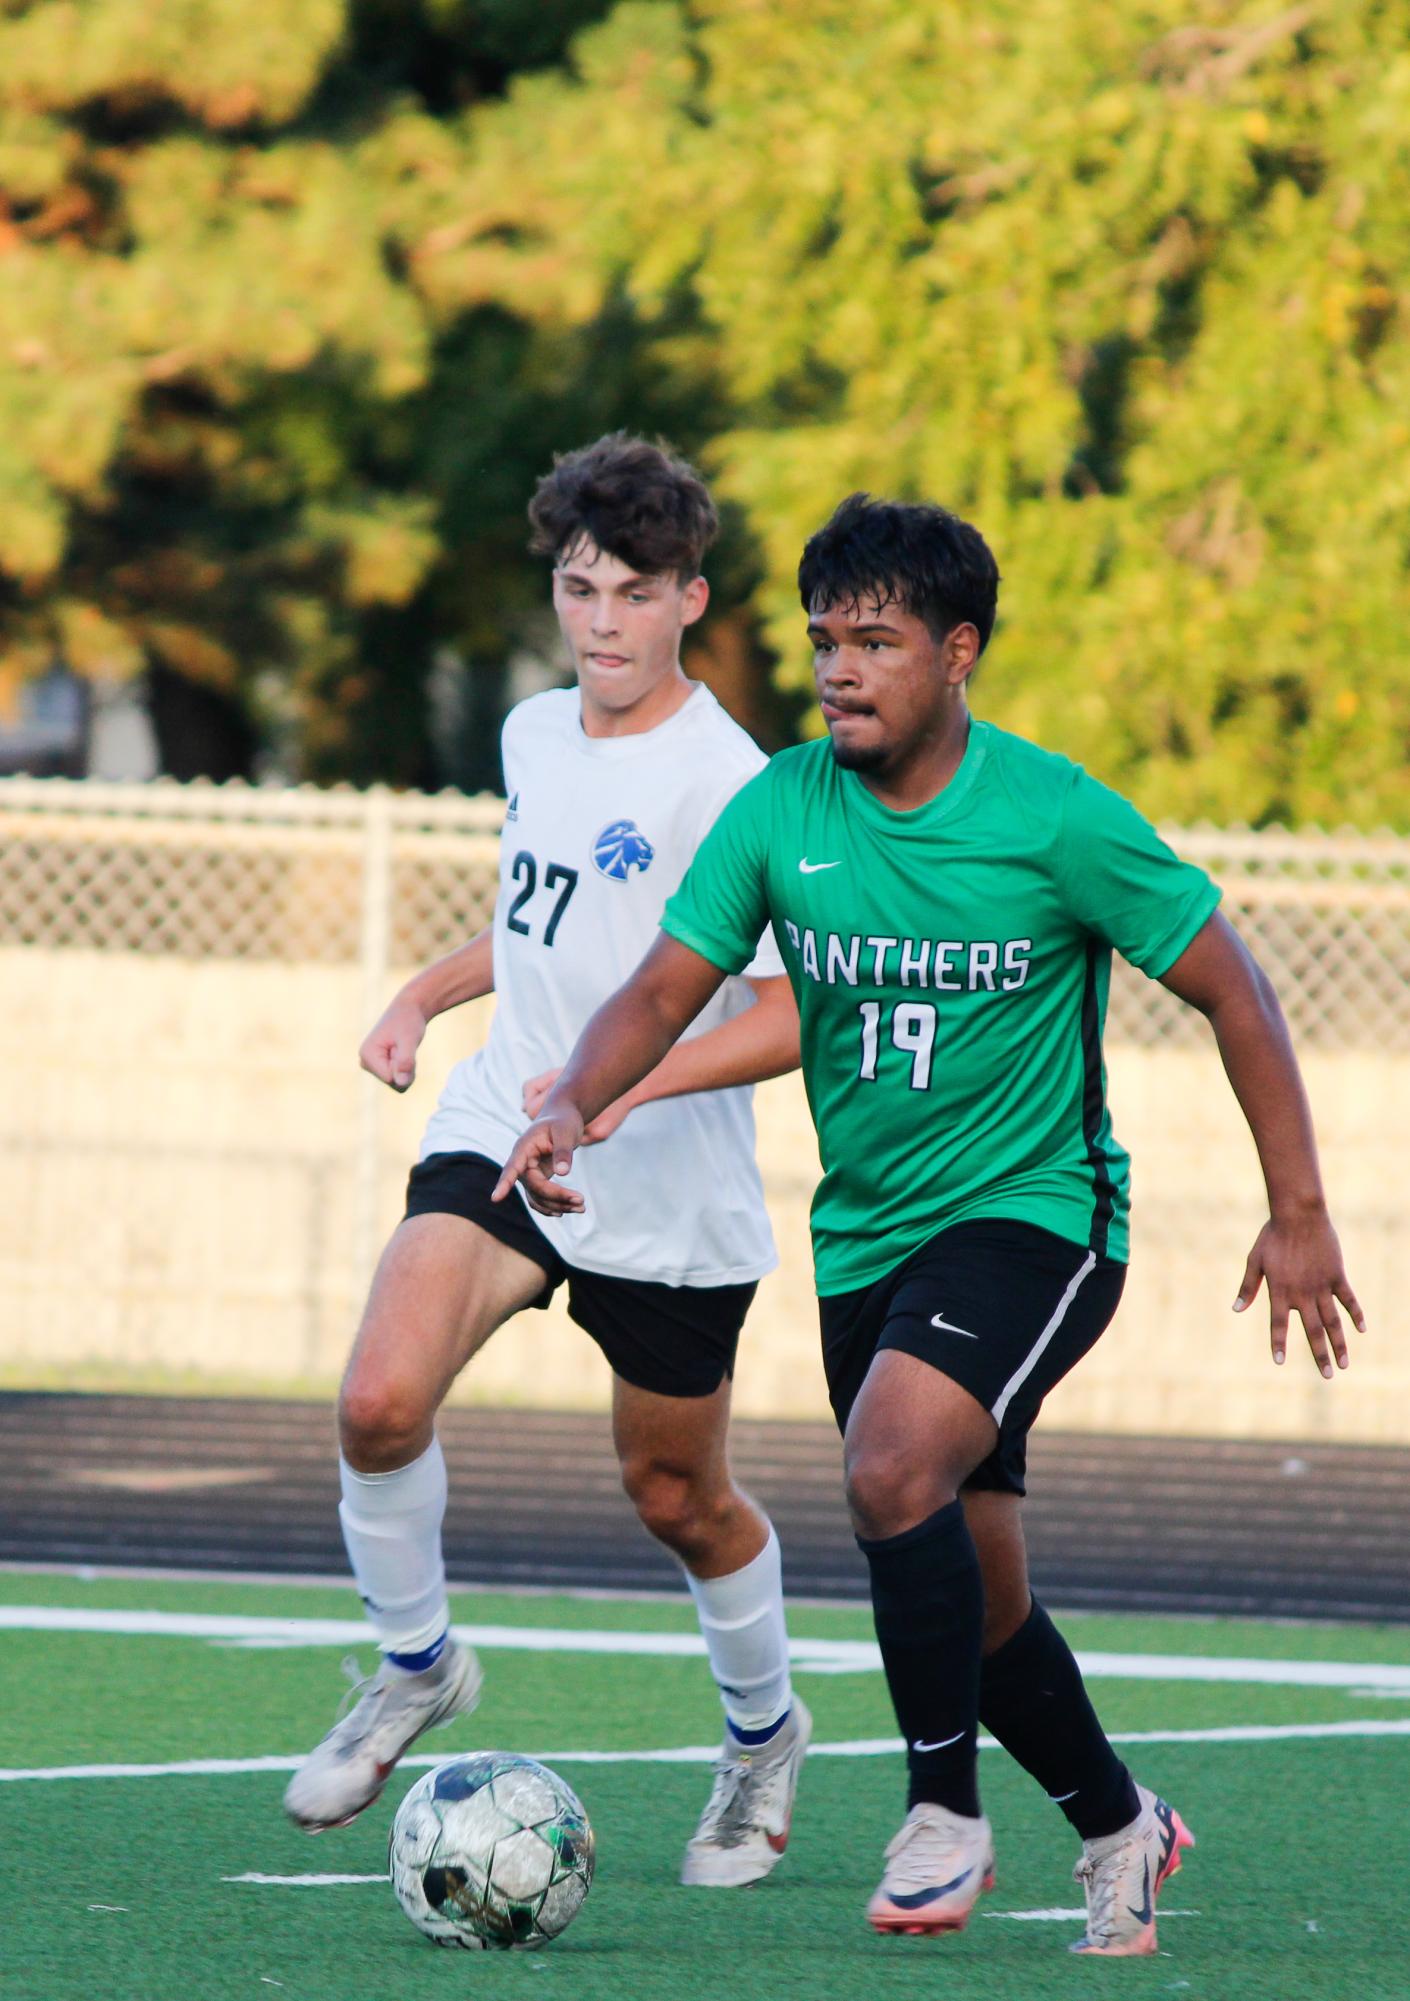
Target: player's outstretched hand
[
  {"x": 602, "y": 1127},
  {"x": 389, "y": 1051},
  {"x": 1302, "y": 1263},
  {"x": 543, "y": 1152}
]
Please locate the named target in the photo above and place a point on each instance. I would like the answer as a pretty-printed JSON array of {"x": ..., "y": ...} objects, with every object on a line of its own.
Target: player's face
[
  {"x": 887, "y": 687},
  {"x": 622, "y": 627}
]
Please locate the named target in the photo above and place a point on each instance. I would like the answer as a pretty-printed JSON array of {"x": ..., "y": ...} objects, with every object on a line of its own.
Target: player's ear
[
  {"x": 960, "y": 652},
  {"x": 694, "y": 597}
]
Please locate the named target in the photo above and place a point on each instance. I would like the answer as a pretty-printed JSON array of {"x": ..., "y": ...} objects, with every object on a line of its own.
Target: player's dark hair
[
  {"x": 918, "y": 556},
  {"x": 637, "y": 501}
]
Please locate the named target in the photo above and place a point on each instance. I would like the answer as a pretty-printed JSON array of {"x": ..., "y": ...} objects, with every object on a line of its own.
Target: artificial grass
[{"x": 1297, "y": 1880}]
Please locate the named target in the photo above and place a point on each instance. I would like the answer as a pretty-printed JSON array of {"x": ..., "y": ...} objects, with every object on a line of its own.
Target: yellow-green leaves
[
  {"x": 229, "y": 63},
  {"x": 1124, "y": 280}
]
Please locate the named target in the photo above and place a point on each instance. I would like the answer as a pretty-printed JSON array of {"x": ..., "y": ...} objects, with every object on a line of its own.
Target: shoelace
[
  {"x": 1099, "y": 1889},
  {"x": 725, "y": 1818},
  {"x": 360, "y": 1687},
  {"x": 927, "y": 1849}
]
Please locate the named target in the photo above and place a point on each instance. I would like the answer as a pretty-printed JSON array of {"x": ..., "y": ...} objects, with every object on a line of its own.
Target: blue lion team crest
[{"x": 620, "y": 848}]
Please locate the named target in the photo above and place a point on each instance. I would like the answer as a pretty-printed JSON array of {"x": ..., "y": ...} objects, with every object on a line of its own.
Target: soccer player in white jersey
[{"x": 612, "y": 786}]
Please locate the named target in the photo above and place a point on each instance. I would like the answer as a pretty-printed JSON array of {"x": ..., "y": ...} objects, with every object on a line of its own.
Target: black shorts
[
  {"x": 1003, "y": 1309},
  {"x": 675, "y": 1340}
]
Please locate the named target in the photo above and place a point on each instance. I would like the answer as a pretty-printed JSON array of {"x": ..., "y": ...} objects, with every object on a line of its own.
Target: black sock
[
  {"x": 928, "y": 1603},
  {"x": 1032, "y": 1697}
]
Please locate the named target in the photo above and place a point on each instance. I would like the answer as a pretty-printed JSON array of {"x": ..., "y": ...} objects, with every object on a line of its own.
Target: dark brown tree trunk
[{"x": 200, "y": 732}]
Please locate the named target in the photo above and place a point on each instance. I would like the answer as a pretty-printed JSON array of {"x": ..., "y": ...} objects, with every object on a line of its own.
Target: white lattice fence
[
  {"x": 1328, "y": 916},
  {"x": 387, "y": 879},
  {"x": 232, "y": 872},
  {"x": 193, "y": 1178}
]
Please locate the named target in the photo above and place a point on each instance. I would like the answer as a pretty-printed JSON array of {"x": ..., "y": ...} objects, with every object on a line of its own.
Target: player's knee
[
  {"x": 874, "y": 1494},
  {"x": 380, "y": 1421},
  {"x": 672, "y": 1507},
  {"x": 886, "y": 1496}
]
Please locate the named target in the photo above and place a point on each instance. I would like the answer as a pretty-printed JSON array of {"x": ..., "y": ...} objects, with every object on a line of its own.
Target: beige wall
[{"x": 192, "y": 1175}]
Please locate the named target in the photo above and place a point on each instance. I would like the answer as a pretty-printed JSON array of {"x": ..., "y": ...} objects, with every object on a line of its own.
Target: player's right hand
[
  {"x": 543, "y": 1152},
  {"x": 536, "y": 1091},
  {"x": 389, "y": 1052}
]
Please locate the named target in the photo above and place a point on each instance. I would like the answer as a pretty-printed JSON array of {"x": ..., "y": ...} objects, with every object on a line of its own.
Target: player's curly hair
[
  {"x": 636, "y": 500},
  {"x": 918, "y": 556}
]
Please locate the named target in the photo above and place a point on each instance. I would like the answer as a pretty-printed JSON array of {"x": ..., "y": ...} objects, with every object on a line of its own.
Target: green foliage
[
  {"x": 294, "y": 302},
  {"x": 213, "y": 339},
  {"x": 1123, "y": 282}
]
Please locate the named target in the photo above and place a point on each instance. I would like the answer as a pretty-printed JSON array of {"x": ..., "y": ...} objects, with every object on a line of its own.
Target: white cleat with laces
[
  {"x": 744, "y": 1828},
  {"x": 936, "y": 1868},
  {"x": 1122, "y": 1874},
  {"x": 348, "y": 1769}
]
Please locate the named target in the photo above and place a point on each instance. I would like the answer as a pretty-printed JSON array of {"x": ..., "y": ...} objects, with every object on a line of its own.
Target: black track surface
[{"x": 1135, "y": 1524}]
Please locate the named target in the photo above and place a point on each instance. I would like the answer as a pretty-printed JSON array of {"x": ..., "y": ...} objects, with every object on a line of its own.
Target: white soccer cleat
[
  {"x": 744, "y": 1828},
  {"x": 348, "y": 1769},
  {"x": 936, "y": 1868},
  {"x": 1122, "y": 1874}
]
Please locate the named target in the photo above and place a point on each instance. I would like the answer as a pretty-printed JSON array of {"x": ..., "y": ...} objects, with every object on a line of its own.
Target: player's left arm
[
  {"x": 1296, "y": 1250},
  {"x": 759, "y": 1043}
]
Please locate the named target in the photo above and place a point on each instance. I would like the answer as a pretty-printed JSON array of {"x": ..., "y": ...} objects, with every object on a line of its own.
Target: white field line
[
  {"x": 1053, "y": 1915},
  {"x": 329, "y": 1882},
  {"x": 818, "y": 1655},
  {"x": 705, "y": 1754}
]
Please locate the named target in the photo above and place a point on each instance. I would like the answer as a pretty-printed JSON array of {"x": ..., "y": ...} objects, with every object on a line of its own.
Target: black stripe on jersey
[{"x": 1094, "y": 1106}]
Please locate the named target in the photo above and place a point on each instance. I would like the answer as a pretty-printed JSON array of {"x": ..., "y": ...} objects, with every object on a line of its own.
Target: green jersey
[{"x": 951, "y": 967}]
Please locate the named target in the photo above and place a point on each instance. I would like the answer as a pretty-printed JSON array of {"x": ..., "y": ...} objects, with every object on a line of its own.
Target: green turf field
[{"x": 125, "y": 1886}]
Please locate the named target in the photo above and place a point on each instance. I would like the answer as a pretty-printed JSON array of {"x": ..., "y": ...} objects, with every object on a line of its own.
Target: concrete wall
[{"x": 193, "y": 1177}]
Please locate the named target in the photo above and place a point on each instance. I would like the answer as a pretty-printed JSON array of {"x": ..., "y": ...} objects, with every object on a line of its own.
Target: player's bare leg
[
  {"x": 995, "y": 1522},
  {"x": 1032, "y": 1698},
  {"x": 675, "y": 1467},
  {"x": 441, "y": 1289},
  {"x": 674, "y": 1456}
]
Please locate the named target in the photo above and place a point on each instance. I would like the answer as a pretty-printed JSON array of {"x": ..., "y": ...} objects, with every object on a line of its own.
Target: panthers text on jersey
[
  {"x": 598, "y": 833},
  {"x": 951, "y": 966}
]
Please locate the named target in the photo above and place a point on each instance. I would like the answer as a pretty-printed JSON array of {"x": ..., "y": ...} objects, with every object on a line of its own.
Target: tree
[
  {"x": 210, "y": 362},
  {"x": 294, "y": 303},
  {"x": 1122, "y": 281}
]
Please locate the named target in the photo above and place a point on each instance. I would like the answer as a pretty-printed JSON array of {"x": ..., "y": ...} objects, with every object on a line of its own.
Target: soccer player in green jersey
[{"x": 948, "y": 898}]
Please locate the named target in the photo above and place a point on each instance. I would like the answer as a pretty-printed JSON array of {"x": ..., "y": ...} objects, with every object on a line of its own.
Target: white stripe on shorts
[{"x": 1034, "y": 1356}]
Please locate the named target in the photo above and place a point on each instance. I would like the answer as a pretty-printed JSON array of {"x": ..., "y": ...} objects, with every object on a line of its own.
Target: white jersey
[{"x": 598, "y": 833}]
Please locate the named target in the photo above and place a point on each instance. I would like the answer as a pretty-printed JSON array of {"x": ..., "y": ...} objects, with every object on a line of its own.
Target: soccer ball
[{"x": 491, "y": 1851}]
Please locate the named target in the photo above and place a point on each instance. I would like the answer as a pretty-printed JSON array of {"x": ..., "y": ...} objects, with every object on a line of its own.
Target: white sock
[
  {"x": 392, "y": 1529},
  {"x": 741, "y": 1617}
]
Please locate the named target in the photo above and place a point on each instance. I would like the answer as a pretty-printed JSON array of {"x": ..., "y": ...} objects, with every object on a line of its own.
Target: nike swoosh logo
[
  {"x": 949, "y": 1327},
  {"x": 1143, "y": 1916},
  {"x": 806, "y": 867},
  {"x": 916, "y": 1900},
  {"x": 1169, "y": 1844},
  {"x": 942, "y": 1744}
]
